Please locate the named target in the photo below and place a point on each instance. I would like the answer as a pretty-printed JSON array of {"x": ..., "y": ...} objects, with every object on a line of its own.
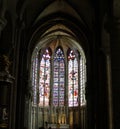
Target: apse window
[
  {"x": 58, "y": 79},
  {"x": 61, "y": 74}
]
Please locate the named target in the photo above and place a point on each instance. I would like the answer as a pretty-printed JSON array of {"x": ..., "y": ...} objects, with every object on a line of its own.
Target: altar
[{"x": 59, "y": 126}]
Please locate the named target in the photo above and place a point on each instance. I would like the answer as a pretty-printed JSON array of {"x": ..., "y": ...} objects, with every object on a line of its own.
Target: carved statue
[{"x": 4, "y": 63}]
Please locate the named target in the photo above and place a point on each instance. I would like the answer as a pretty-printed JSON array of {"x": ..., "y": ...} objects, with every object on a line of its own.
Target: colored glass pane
[
  {"x": 82, "y": 81},
  {"x": 58, "y": 81},
  {"x": 41, "y": 79},
  {"x": 44, "y": 79},
  {"x": 34, "y": 78},
  {"x": 72, "y": 80}
]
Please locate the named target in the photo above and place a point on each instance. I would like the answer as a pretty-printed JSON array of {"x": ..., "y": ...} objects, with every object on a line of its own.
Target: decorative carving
[
  {"x": 3, "y": 117},
  {"x": 6, "y": 81},
  {"x": 4, "y": 63}
]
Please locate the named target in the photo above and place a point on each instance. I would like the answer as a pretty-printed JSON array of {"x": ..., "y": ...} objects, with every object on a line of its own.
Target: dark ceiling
[
  {"x": 30, "y": 9},
  {"x": 26, "y": 12}
]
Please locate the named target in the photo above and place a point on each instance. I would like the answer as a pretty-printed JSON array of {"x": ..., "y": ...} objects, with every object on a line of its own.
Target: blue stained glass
[
  {"x": 41, "y": 79},
  {"x": 58, "y": 84}
]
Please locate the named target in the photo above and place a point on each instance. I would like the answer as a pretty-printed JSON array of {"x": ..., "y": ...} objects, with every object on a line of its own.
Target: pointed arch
[{"x": 58, "y": 75}]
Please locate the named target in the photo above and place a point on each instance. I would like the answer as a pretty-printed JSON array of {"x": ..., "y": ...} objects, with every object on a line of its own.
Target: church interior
[{"x": 58, "y": 64}]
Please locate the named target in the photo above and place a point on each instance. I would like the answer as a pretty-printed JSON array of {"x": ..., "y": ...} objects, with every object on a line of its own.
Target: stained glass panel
[
  {"x": 34, "y": 77},
  {"x": 58, "y": 81},
  {"x": 72, "y": 80},
  {"x": 44, "y": 79},
  {"x": 41, "y": 79},
  {"x": 82, "y": 81}
]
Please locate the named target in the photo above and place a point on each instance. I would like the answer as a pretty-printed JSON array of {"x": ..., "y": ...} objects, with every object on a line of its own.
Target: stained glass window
[
  {"x": 59, "y": 78},
  {"x": 82, "y": 81},
  {"x": 44, "y": 79},
  {"x": 47, "y": 65},
  {"x": 34, "y": 77},
  {"x": 72, "y": 79}
]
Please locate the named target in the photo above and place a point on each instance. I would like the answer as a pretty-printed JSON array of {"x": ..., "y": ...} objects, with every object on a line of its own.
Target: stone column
[
  {"x": 107, "y": 53},
  {"x": 109, "y": 88},
  {"x": 115, "y": 62}
]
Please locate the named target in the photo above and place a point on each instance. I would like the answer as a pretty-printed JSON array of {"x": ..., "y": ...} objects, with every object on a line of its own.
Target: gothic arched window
[
  {"x": 43, "y": 68},
  {"x": 59, "y": 78},
  {"x": 58, "y": 75},
  {"x": 72, "y": 79}
]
